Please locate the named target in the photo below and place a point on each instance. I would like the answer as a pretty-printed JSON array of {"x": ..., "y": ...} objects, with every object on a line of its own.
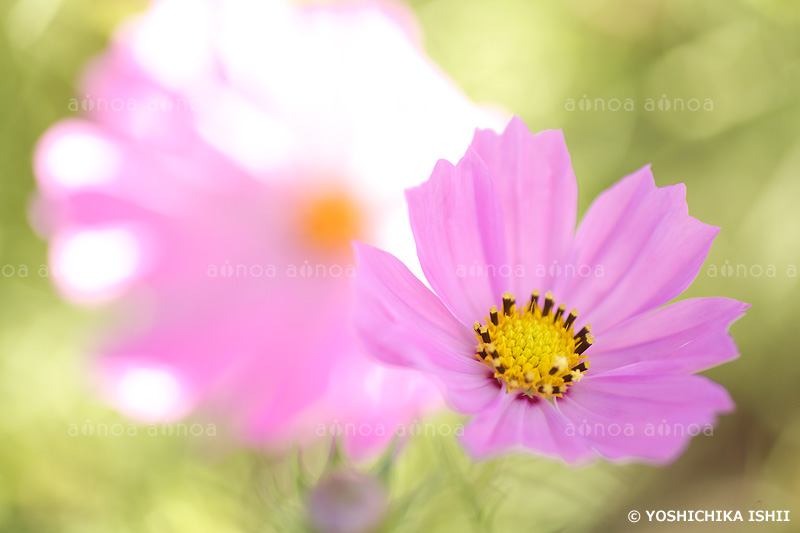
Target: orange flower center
[{"x": 329, "y": 222}]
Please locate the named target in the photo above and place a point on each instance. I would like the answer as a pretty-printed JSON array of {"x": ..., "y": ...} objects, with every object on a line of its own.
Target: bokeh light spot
[
  {"x": 149, "y": 394},
  {"x": 77, "y": 160},
  {"x": 95, "y": 264}
]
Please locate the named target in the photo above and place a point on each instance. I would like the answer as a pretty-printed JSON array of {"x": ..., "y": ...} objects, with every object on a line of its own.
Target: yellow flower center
[{"x": 533, "y": 349}]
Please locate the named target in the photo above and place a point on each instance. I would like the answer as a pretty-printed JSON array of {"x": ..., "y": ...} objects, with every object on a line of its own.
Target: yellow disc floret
[{"x": 533, "y": 349}]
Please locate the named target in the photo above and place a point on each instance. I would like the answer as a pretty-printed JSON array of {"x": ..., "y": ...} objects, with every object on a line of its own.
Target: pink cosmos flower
[
  {"x": 553, "y": 338},
  {"x": 230, "y": 152}
]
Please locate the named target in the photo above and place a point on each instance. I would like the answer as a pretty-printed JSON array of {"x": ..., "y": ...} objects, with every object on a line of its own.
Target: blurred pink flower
[
  {"x": 230, "y": 153},
  {"x": 500, "y": 224}
]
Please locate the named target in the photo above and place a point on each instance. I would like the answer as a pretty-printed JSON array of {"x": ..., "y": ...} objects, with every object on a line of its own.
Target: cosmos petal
[
  {"x": 683, "y": 337},
  {"x": 190, "y": 350},
  {"x": 539, "y": 194},
  {"x": 514, "y": 422},
  {"x": 647, "y": 418},
  {"x": 496, "y": 429},
  {"x": 402, "y": 322},
  {"x": 458, "y": 223},
  {"x": 642, "y": 247}
]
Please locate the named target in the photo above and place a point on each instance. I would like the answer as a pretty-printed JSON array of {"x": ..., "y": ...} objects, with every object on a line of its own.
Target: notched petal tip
[
  {"x": 650, "y": 247},
  {"x": 518, "y": 129}
]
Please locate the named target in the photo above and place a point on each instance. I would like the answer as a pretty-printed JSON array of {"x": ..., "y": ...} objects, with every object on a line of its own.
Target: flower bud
[{"x": 347, "y": 502}]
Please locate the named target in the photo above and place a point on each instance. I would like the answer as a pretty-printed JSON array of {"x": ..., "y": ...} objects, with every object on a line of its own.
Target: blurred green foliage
[{"x": 611, "y": 74}]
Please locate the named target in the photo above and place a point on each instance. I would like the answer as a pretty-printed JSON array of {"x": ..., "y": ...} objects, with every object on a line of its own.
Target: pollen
[{"x": 533, "y": 348}]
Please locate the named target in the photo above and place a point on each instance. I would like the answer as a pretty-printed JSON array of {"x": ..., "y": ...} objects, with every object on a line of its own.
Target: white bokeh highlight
[
  {"x": 149, "y": 394},
  {"x": 80, "y": 160},
  {"x": 172, "y": 42},
  {"x": 94, "y": 266}
]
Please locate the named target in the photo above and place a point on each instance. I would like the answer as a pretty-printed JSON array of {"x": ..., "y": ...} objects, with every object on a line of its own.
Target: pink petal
[
  {"x": 533, "y": 175},
  {"x": 243, "y": 360},
  {"x": 118, "y": 95},
  {"x": 681, "y": 338},
  {"x": 77, "y": 158},
  {"x": 400, "y": 14},
  {"x": 402, "y": 322},
  {"x": 497, "y": 429},
  {"x": 193, "y": 360},
  {"x": 642, "y": 248},
  {"x": 362, "y": 88},
  {"x": 457, "y": 223},
  {"x": 517, "y": 423},
  {"x": 392, "y": 398},
  {"x": 649, "y": 418}
]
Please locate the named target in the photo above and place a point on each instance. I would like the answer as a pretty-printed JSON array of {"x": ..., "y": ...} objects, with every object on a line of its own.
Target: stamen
[
  {"x": 587, "y": 341},
  {"x": 534, "y": 300},
  {"x": 508, "y": 302},
  {"x": 533, "y": 349},
  {"x": 571, "y": 318},
  {"x": 560, "y": 312},
  {"x": 548, "y": 303}
]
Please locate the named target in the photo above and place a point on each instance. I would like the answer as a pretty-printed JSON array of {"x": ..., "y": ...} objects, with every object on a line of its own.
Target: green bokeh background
[{"x": 603, "y": 71}]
